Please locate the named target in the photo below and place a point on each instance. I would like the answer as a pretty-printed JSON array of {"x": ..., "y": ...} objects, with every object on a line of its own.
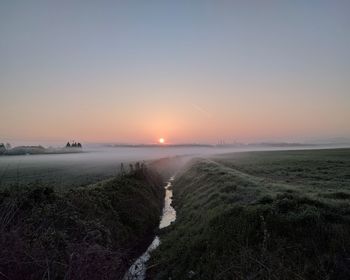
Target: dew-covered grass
[{"x": 260, "y": 215}]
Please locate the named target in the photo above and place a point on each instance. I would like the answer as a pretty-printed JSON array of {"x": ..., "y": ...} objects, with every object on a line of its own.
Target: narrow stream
[{"x": 138, "y": 270}]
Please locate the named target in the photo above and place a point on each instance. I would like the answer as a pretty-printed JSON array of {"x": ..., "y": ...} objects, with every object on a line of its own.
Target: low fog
[{"x": 93, "y": 164}]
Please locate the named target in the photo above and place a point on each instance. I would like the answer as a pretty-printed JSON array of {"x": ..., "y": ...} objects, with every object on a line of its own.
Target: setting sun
[{"x": 161, "y": 140}]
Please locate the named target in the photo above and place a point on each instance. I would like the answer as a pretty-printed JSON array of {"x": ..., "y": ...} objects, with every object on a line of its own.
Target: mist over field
[{"x": 97, "y": 163}]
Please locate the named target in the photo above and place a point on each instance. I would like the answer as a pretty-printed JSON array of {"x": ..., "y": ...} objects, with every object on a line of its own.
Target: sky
[{"x": 187, "y": 71}]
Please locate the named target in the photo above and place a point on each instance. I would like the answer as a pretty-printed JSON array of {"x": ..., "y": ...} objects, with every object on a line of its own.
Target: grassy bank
[
  {"x": 91, "y": 232},
  {"x": 260, "y": 215}
]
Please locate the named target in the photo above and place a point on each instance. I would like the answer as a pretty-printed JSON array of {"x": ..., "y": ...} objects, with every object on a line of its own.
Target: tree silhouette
[{"x": 2, "y": 148}]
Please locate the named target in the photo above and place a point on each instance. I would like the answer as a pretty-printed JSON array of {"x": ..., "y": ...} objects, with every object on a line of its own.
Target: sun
[{"x": 161, "y": 140}]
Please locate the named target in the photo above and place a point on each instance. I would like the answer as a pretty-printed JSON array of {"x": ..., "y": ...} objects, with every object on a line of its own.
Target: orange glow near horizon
[{"x": 167, "y": 82}]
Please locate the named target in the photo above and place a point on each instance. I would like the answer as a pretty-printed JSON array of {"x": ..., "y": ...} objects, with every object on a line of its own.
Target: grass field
[
  {"x": 260, "y": 215},
  {"x": 59, "y": 171},
  {"x": 66, "y": 171}
]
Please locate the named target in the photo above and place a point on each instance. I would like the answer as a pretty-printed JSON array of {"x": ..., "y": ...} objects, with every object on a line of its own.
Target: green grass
[
  {"x": 92, "y": 232},
  {"x": 260, "y": 215},
  {"x": 326, "y": 168}
]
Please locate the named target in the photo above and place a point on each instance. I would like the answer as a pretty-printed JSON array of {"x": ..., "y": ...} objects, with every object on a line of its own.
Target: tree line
[
  {"x": 4, "y": 147},
  {"x": 73, "y": 145}
]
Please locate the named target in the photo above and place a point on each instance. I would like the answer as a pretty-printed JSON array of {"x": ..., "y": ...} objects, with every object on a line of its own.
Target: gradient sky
[{"x": 188, "y": 71}]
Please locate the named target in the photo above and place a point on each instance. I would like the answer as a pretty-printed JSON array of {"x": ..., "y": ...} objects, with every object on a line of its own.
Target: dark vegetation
[
  {"x": 260, "y": 215},
  {"x": 4, "y": 147},
  {"x": 92, "y": 232}
]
